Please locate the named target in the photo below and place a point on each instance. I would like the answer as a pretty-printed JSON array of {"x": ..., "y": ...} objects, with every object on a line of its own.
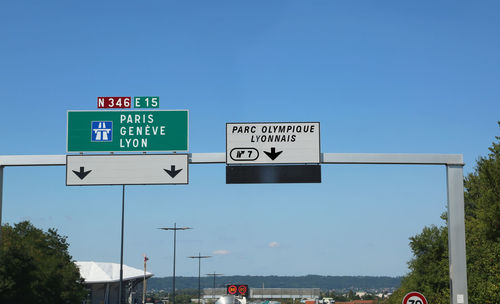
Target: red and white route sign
[
  {"x": 414, "y": 298},
  {"x": 113, "y": 102}
]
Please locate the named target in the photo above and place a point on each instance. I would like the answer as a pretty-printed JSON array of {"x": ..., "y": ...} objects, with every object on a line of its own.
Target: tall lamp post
[
  {"x": 199, "y": 257},
  {"x": 213, "y": 289},
  {"x": 175, "y": 228}
]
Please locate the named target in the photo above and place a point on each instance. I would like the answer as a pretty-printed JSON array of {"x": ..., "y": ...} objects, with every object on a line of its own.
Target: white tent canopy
[{"x": 97, "y": 272}]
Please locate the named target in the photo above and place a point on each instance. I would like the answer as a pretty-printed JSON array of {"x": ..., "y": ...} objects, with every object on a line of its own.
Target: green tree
[
  {"x": 35, "y": 267},
  {"x": 429, "y": 272},
  {"x": 184, "y": 296},
  {"x": 482, "y": 226},
  {"x": 429, "y": 267}
]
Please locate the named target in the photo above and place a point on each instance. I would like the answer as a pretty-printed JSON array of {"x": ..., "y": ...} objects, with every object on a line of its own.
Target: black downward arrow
[
  {"x": 273, "y": 154},
  {"x": 82, "y": 173},
  {"x": 172, "y": 172}
]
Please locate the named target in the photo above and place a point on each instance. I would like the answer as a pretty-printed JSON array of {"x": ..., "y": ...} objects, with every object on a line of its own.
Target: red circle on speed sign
[
  {"x": 242, "y": 290},
  {"x": 414, "y": 298},
  {"x": 232, "y": 289}
]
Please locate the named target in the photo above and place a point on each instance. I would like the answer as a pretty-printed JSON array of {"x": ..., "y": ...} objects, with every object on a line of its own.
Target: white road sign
[
  {"x": 126, "y": 169},
  {"x": 272, "y": 143},
  {"x": 414, "y": 298}
]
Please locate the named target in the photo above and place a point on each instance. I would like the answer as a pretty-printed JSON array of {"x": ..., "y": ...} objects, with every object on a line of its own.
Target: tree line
[{"x": 308, "y": 281}]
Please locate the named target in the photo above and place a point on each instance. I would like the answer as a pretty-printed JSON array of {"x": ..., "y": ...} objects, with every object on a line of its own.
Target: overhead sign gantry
[
  {"x": 454, "y": 181},
  {"x": 280, "y": 153}
]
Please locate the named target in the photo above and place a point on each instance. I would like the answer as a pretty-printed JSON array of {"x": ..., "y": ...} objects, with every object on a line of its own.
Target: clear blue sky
[{"x": 380, "y": 76}]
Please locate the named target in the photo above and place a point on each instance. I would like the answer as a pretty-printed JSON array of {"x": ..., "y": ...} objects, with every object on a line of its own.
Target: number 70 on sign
[{"x": 414, "y": 298}]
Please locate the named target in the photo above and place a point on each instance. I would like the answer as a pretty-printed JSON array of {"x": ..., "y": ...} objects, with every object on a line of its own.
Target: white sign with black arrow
[
  {"x": 126, "y": 169},
  {"x": 273, "y": 143}
]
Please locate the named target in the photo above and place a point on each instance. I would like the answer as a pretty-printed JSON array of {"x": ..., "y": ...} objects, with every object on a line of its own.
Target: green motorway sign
[{"x": 127, "y": 131}]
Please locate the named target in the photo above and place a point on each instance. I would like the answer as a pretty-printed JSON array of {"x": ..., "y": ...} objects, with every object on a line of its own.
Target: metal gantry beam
[
  {"x": 32, "y": 160},
  {"x": 220, "y": 158},
  {"x": 396, "y": 159},
  {"x": 455, "y": 192}
]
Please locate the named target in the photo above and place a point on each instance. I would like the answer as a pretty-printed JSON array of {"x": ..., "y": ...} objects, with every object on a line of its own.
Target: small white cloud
[
  {"x": 274, "y": 244},
  {"x": 221, "y": 252}
]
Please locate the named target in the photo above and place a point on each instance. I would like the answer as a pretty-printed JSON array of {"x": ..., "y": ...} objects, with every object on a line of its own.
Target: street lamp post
[
  {"x": 213, "y": 289},
  {"x": 175, "y": 228},
  {"x": 199, "y": 257}
]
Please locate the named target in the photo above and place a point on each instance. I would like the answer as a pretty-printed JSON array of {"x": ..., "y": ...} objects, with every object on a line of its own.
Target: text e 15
[{"x": 147, "y": 102}]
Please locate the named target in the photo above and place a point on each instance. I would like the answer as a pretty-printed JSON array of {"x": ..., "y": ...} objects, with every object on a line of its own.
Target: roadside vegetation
[
  {"x": 429, "y": 268},
  {"x": 35, "y": 267}
]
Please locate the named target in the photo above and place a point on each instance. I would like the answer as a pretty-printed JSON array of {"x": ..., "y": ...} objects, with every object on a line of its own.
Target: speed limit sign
[{"x": 414, "y": 298}]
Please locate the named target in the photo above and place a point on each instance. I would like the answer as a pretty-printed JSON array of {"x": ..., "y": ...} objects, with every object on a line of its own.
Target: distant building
[
  {"x": 327, "y": 301},
  {"x": 103, "y": 282},
  {"x": 383, "y": 295},
  {"x": 361, "y": 293}
]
